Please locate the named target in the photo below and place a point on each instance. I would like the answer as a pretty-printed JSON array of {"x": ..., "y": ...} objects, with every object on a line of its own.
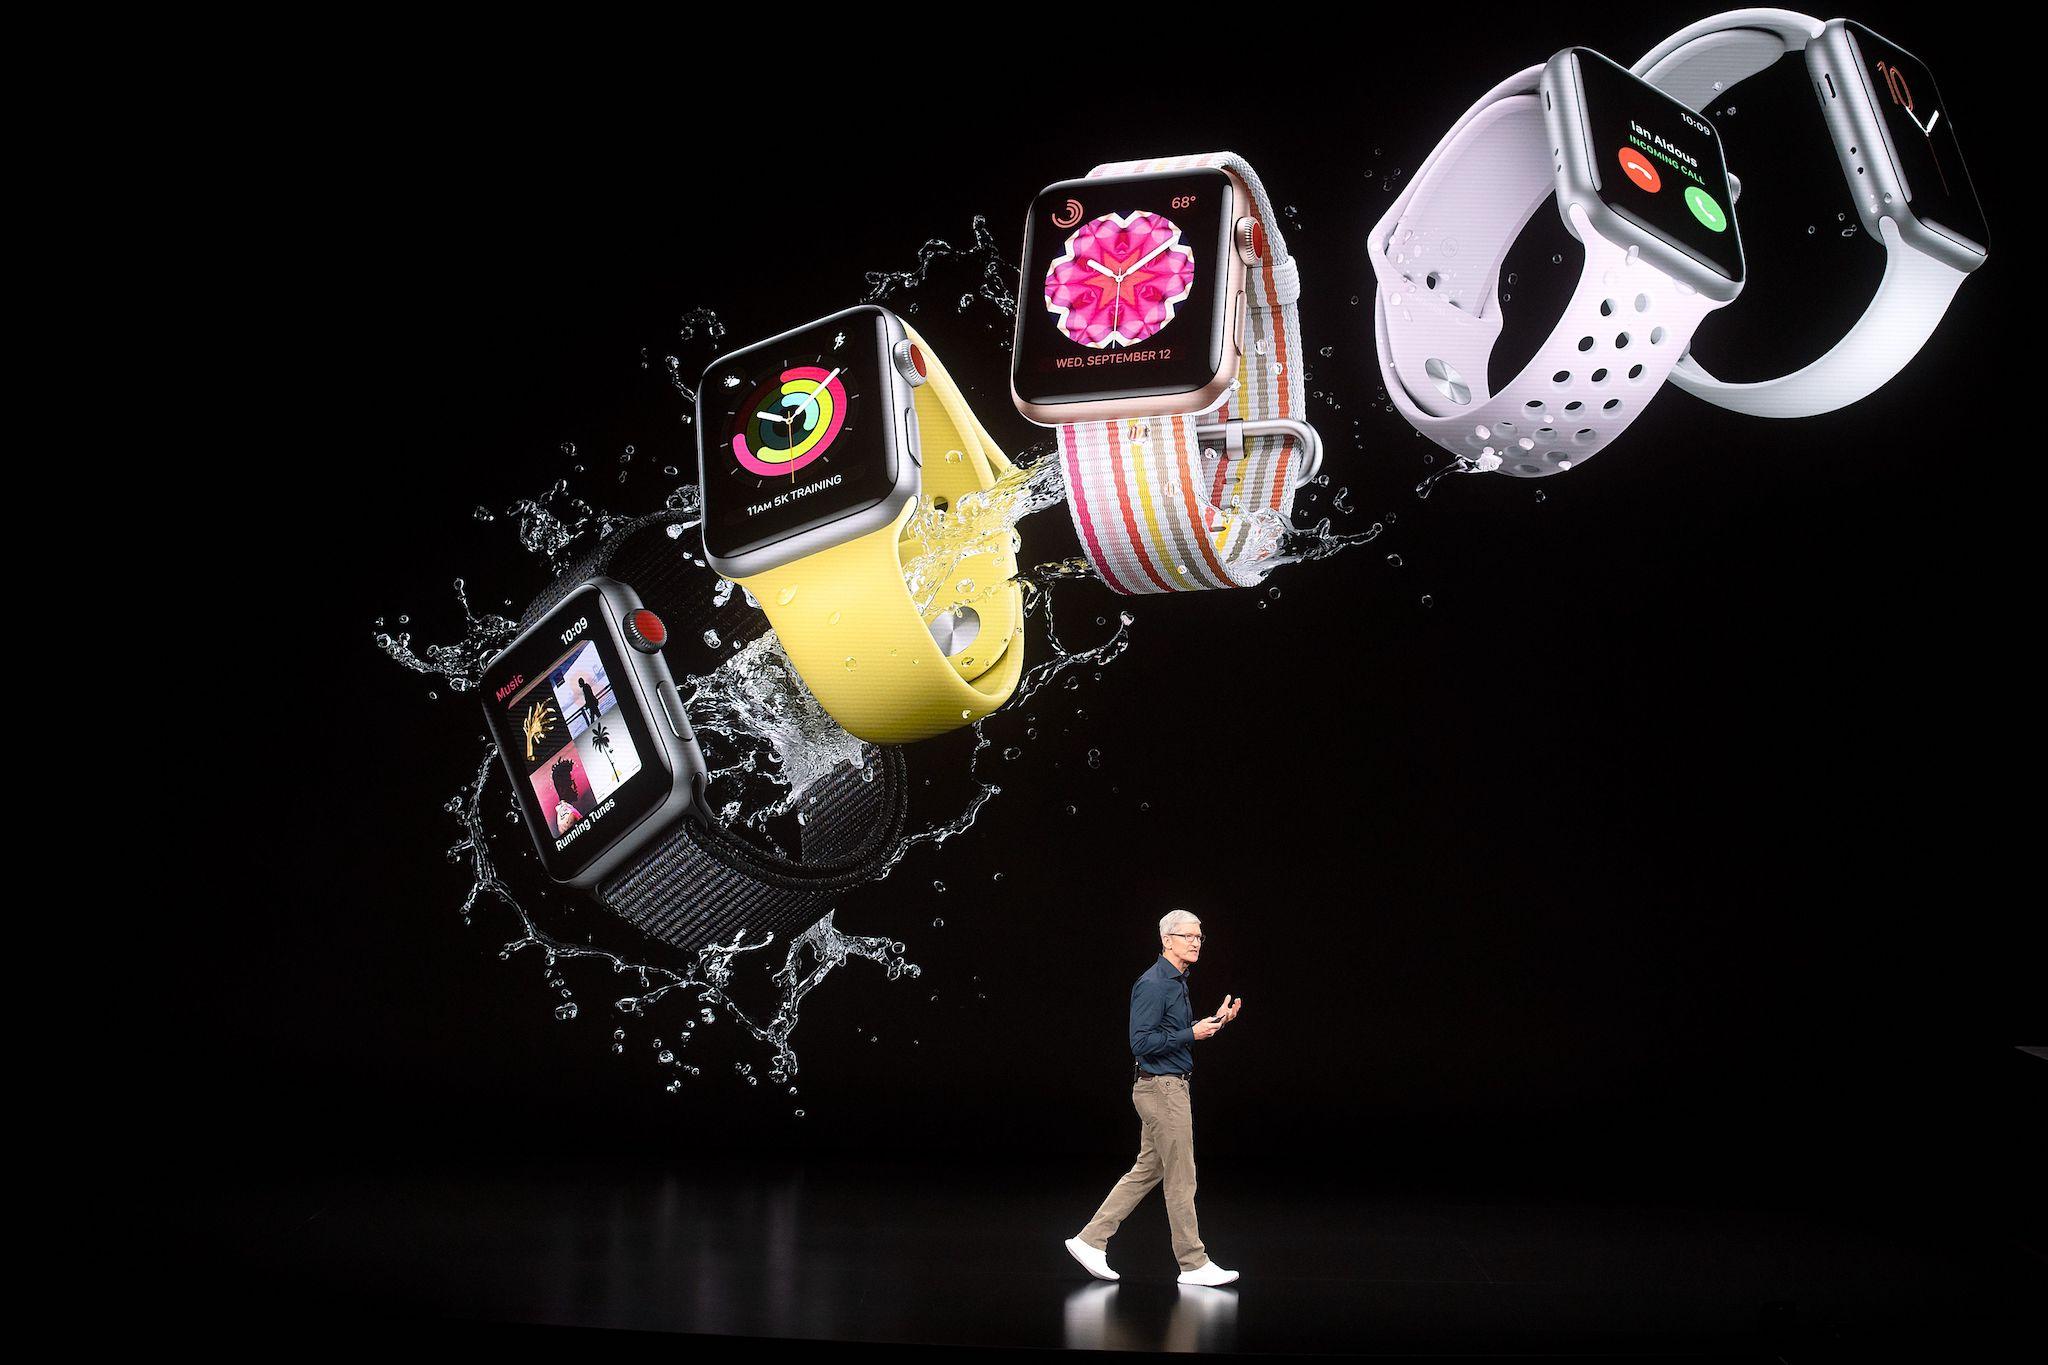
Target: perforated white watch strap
[
  {"x": 1438, "y": 253},
  {"x": 1155, "y": 511},
  {"x": 1696, "y": 66}
]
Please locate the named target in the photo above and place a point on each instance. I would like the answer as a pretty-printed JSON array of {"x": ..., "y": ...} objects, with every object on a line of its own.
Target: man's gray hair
[{"x": 1174, "y": 919}]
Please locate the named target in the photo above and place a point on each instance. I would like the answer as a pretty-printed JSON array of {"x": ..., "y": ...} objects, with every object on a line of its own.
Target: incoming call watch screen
[
  {"x": 1658, "y": 164},
  {"x": 795, "y": 433},
  {"x": 1119, "y": 292},
  {"x": 1923, "y": 138},
  {"x": 574, "y": 744}
]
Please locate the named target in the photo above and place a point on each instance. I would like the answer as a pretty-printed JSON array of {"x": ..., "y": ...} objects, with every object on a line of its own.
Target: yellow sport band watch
[{"x": 814, "y": 449}]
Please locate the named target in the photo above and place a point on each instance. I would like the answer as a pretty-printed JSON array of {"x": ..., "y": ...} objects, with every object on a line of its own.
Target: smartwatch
[
  {"x": 1898, "y": 152},
  {"x": 814, "y": 449},
  {"x": 609, "y": 776},
  {"x": 1640, "y": 181},
  {"x": 1157, "y": 331}
]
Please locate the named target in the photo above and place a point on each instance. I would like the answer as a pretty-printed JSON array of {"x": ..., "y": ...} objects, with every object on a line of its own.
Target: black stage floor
[{"x": 881, "y": 1253}]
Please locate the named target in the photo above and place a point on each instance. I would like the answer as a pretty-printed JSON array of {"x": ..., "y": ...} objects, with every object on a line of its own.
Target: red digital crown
[{"x": 645, "y": 632}]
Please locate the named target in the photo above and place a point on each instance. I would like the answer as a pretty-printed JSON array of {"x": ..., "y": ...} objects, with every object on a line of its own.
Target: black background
[{"x": 1672, "y": 844}]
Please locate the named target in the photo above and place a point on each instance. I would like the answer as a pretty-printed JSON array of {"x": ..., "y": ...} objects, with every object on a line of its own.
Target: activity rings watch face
[
  {"x": 812, "y": 469},
  {"x": 591, "y": 730},
  {"x": 806, "y": 439},
  {"x": 1647, "y": 170},
  {"x": 1130, "y": 295}
]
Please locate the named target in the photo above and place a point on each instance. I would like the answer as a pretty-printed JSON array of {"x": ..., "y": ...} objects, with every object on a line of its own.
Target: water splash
[
  {"x": 766, "y": 737},
  {"x": 977, "y": 524},
  {"x": 1306, "y": 544},
  {"x": 702, "y": 333},
  {"x": 1460, "y": 464},
  {"x": 756, "y": 719},
  {"x": 811, "y": 957},
  {"x": 767, "y": 741},
  {"x": 460, "y": 664},
  {"x": 981, "y": 258}
]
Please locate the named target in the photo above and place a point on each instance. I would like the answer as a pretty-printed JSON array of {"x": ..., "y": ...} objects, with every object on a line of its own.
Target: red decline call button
[{"x": 1639, "y": 169}]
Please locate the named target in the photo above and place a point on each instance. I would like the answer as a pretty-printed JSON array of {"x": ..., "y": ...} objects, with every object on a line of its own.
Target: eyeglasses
[{"x": 1192, "y": 938}]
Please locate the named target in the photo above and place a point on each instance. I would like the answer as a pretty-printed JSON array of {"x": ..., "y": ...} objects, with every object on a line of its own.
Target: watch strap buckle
[{"x": 1232, "y": 435}]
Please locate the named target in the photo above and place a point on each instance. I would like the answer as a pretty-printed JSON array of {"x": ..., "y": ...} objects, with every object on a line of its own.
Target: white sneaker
[
  {"x": 1209, "y": 1273},
  {"x": 1095, "y": 1262}
]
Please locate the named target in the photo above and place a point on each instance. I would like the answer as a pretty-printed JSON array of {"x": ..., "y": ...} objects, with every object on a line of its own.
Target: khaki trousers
[{"x": 1165, "y": 1154}]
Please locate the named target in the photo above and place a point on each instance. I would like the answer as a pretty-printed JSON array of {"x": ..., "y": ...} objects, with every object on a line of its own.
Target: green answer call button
[{"x": 1705, "y": 209}]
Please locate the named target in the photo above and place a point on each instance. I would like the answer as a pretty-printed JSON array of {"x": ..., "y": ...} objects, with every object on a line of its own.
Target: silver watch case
[
  {"x": 1564, "y": 118},
  {"x": 899, "y": 425},
  {"x": 1864, "y": 146}
]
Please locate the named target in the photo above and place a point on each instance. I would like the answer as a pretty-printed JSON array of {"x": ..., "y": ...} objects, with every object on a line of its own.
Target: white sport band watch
[
  {"x": 1904, "y": 170},
  {"x": 1640, "y": 182}
]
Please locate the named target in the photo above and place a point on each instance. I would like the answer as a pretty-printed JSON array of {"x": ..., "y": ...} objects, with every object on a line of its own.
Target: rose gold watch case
[{"x": 1210, "y": 394}]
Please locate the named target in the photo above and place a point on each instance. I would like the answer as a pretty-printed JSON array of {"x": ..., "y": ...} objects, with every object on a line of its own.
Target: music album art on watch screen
[
  {"x": 575, "y": 751},
  {"x": 572, "y": 735}
]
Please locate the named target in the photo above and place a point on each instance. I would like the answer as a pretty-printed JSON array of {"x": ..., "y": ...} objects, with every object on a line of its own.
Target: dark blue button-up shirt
[{"x": 1162, "y": 1025}]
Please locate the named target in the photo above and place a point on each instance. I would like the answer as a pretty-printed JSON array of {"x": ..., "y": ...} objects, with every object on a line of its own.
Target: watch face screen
[
  {"x": 1120, "y": 294},
  {"x": 795, "y": 433},
  {"x": 1658, "y": 164},
  {"x": 1922, "y": 138},
  {"x": 580, "y": 752}
]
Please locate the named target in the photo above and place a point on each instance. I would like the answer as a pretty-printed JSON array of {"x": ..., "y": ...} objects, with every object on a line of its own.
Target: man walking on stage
[{"x": 1163, "y": 1033}]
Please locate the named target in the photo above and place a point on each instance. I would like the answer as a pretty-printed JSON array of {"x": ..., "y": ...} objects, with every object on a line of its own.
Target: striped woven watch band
[{"x": 1155, "y": 511}]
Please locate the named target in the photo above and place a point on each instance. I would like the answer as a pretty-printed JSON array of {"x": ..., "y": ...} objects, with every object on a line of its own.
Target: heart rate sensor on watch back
[{"x": 609, "y": 777}]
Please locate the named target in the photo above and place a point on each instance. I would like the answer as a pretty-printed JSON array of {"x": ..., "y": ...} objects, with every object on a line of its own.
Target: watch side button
[
  {"x": 673, "y": 712},
  {"x": 1239, "y": 306}
]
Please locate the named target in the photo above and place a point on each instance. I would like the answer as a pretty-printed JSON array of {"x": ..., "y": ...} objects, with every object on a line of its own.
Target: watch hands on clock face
[
  {"x": 809, "y": 400},
  {"x": 1119, "y": 279},
  {"x": 1149, "y": 256},
  {"x": 788, "y": 420},
  {"x": 808, "y": 403}
]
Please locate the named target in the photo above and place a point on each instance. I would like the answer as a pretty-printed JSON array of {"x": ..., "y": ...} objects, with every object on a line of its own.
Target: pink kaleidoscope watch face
[{"x": 1119, "y": 279}]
